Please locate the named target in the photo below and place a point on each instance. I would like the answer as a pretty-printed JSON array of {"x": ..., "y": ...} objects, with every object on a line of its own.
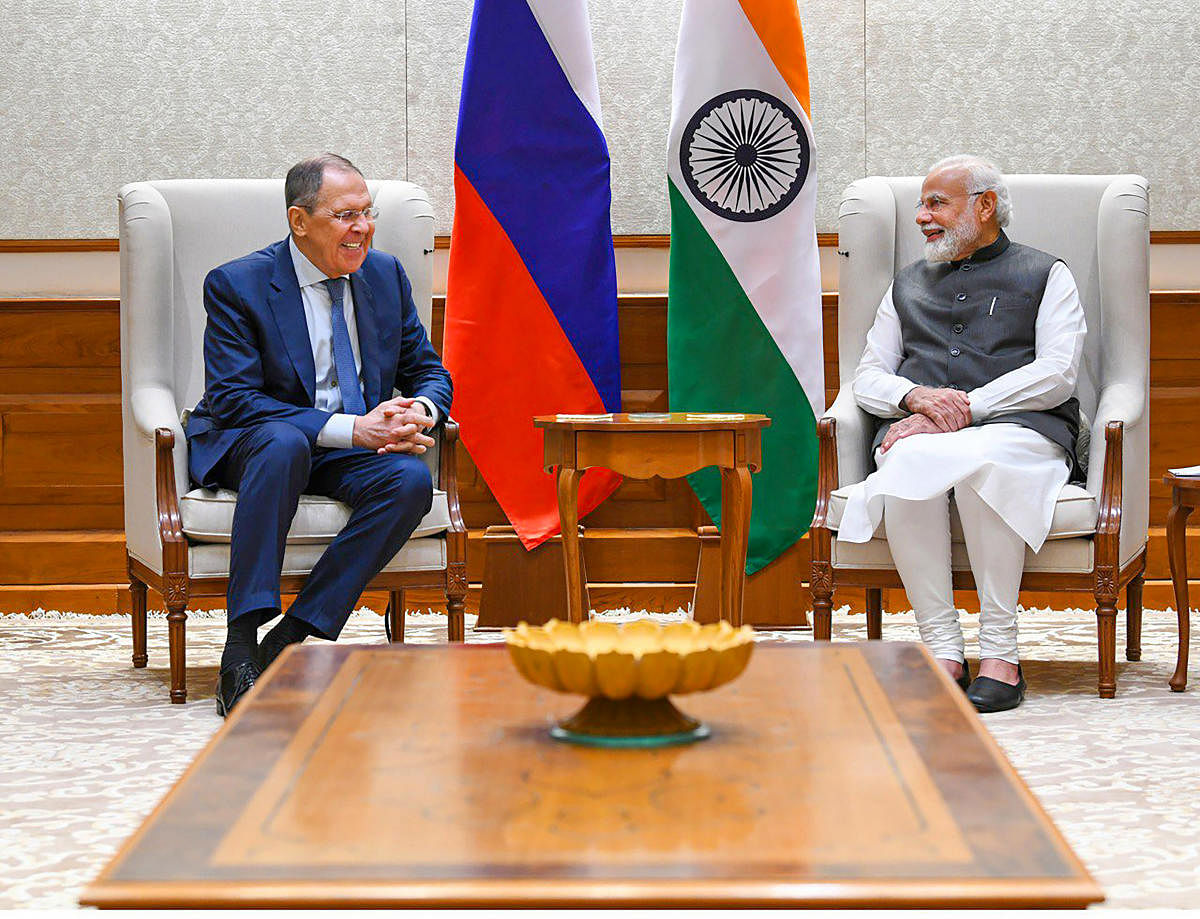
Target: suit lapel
[
  {"x": 368, "y": 340},
  {"x": 288, "y": 309}
]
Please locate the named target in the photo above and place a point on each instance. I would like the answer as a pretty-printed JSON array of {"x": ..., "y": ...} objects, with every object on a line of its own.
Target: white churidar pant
[{"x": 1005, "y": 479}]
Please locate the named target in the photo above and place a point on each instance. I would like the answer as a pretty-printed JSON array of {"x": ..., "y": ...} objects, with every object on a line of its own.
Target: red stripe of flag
[{"x": 510, "y": 361}]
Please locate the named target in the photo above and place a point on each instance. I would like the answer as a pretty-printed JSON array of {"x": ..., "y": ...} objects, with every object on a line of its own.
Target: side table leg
[
  {"x": 1177, "y": 555},
  {"x": 568, "y": 518},
  {"x": 735, "y": 538}
]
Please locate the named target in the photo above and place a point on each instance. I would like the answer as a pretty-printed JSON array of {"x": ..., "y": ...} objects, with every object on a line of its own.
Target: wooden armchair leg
[
  {"x": 1106, "y": 634},
  {"x": 1133, "y": 619},
  {"x": 395, "y": 616},
  {"x": 821, "y": 585},
  {"x": 176, "y": 643},
  {"x": 874, "y": 613},
  {"x": 137, "y": 612},
  {"x": 456, "y": 601}
]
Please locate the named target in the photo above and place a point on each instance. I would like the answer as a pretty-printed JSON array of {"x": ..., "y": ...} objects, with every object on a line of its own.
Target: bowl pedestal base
[{"x": 630, "y": 722}]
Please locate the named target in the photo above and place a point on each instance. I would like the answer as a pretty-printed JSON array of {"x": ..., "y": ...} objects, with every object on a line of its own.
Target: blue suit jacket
[{"x": 258, "y": 361}]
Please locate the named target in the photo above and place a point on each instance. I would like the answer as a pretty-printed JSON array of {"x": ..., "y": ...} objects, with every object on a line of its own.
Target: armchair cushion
[
  {"x": 1075, "y": 514},
  {"x": 1075, "y": 556},
  {"x": 208, "y": 517},
  {"x": 212, "y": 560}
]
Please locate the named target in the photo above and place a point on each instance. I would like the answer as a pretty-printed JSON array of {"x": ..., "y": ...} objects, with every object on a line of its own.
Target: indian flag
[{"x": 744, "y": 312}]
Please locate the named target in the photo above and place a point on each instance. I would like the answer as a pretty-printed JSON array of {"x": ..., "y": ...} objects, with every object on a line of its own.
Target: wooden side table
[
  {"x": 669, "y": 446},
  {"x": 1185, "y": 497}
]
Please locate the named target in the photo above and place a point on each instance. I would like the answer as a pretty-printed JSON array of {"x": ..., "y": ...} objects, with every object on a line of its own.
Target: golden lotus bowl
[{"x": 627, "y": 671}]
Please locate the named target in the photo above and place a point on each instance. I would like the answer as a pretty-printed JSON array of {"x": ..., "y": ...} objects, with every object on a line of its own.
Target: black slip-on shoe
[
  {"x": 234, "y": 683},
  {"x": 964, "y": 679},
  {"x": 988, "y": 695}
]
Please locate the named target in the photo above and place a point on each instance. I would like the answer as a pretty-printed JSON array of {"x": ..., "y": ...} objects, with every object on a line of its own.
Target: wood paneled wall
[{"x": 61, "y": 543}]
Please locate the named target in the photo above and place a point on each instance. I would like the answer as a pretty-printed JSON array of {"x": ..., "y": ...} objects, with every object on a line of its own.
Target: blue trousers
[{"x": 270, "y": 466}]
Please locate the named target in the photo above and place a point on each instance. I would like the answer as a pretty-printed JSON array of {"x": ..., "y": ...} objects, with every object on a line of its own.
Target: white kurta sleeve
[
  {"x": 1049, "y": 379},
  {"x": 877, "y": 387}
]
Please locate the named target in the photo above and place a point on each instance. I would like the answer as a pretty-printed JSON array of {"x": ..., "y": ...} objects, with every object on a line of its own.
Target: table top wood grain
[{"x": 847, "y": 774}]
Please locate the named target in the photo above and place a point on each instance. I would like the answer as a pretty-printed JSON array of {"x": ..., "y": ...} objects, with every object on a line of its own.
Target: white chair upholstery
[
  {"x": 1099, "y": 226},
  {"x": 172, "y": 233}
]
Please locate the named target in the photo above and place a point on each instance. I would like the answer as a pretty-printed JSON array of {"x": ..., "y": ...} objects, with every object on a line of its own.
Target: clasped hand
[
  {"x": 395, "y": 426},
  {"x": 933, "y": 411},
  {"x": 907, "y": 427},
  {"x": 949, "y": 409}
]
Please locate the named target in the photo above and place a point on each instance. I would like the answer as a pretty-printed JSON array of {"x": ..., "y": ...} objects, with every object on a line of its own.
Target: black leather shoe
[
  {"x": 964, "y": 679},
  {"x": 234, "y": 683},
  {"x": 988, "y": 695}
]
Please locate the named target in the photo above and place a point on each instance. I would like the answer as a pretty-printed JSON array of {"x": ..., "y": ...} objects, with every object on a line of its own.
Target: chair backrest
[
  {"x": 174, "y": 232},
  {"x": 1098, "y": 225}
]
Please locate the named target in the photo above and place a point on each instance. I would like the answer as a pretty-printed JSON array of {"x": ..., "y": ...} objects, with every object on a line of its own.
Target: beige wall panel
[
  {"x": 97, "y": 93},
  {"x": 635, "y": 52},
  {"x": 1055, "y": 86},
  {"x": 437, "y": 48},
  {"x": 833, "y": 40}
]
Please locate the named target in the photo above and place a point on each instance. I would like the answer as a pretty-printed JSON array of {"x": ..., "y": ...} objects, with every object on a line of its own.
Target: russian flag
[{"x": 531, "y": 300}]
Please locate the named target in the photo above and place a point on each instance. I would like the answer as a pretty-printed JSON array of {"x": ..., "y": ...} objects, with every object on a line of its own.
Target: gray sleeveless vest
[{"x": 968, "y": 322}]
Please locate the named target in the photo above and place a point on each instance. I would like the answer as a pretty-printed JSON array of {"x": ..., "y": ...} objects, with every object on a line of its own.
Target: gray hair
[
  {"x": 984, "y": 176},
  {"x": 302, "y": 186}
]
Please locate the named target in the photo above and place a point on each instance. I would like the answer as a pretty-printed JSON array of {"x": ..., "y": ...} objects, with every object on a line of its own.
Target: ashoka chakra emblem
[{"x": 744, "y": 155}]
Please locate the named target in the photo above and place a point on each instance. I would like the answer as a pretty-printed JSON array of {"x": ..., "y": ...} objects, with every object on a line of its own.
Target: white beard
[{"x": 954, "y": 240}]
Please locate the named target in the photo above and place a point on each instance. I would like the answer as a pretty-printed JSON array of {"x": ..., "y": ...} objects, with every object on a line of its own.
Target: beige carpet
[{"x": 91, "y": 745}]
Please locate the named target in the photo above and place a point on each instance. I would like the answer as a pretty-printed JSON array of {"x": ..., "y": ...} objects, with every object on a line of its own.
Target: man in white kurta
[{"x": 1006, "y": 320}]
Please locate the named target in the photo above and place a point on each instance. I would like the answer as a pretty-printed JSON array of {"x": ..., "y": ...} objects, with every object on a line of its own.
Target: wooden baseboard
[
  {"x": 664, "y": 555},
  {"x": 105, "y": 599}
]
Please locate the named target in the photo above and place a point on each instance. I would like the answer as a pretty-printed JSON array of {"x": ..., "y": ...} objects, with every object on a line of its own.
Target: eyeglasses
[
  {"x": 935, "y": 203},
  {"x": 349, "y": 217}
]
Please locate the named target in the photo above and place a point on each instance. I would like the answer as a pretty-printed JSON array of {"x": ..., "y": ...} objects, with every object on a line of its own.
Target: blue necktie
[{"x": 343, "y": 354}]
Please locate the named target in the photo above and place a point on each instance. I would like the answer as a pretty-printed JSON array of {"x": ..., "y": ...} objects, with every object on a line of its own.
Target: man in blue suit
[{"x": 306, "y": 341}]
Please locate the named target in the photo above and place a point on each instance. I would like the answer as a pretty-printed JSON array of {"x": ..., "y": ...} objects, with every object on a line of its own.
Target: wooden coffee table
[{"x": 843, "y": 775}]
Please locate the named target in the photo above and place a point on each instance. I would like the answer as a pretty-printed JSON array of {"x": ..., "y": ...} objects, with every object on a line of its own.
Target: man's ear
[
  {"x": 298, "y": 220},
  {"x": 986, "y": 205}
]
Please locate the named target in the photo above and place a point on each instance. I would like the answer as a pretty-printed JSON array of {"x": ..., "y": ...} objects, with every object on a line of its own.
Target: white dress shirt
[{"x": 318, "y": 316}]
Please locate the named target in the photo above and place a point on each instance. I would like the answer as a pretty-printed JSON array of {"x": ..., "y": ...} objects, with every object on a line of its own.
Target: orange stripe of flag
[{"x": 777, "y": 24}]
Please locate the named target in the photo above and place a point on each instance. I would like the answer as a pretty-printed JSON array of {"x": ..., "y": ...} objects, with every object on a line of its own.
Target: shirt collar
[
  {"x": 307, "y": 273},
  {"x": 988, "y": 252}
]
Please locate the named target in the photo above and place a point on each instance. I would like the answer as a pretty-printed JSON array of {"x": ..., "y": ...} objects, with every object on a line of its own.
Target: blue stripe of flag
[{"x": 539, "y": 162}]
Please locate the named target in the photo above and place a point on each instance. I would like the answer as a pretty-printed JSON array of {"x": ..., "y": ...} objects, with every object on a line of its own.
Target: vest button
[
  {"x": 954, "y": 352},
  {"x": 958, "y": 327},
  {"x": 960, "y": 297}
]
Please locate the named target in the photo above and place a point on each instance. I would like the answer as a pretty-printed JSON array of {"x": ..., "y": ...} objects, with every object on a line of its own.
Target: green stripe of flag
[{"x": 721, "y": 358}]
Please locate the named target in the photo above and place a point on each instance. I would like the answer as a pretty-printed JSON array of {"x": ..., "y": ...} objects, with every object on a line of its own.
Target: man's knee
[
  {"x": 918, "y": 451},
  {"x": 405, "y": 482},
  {"x": 279, "y": 447}
]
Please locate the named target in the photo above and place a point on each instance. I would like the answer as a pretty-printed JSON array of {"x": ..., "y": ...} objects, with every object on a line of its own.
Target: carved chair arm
[
  {"x": 448, "y": 474},
  {"x": 827, "y": 468},
  {"x": 1108, "y": 521},
  {"x": 166, "y": 495}
]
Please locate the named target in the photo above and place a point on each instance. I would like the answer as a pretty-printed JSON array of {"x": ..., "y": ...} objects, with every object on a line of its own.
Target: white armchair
[
  {"x": 177, "y": 538},
  {"x": 1099, "y": 226}
]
